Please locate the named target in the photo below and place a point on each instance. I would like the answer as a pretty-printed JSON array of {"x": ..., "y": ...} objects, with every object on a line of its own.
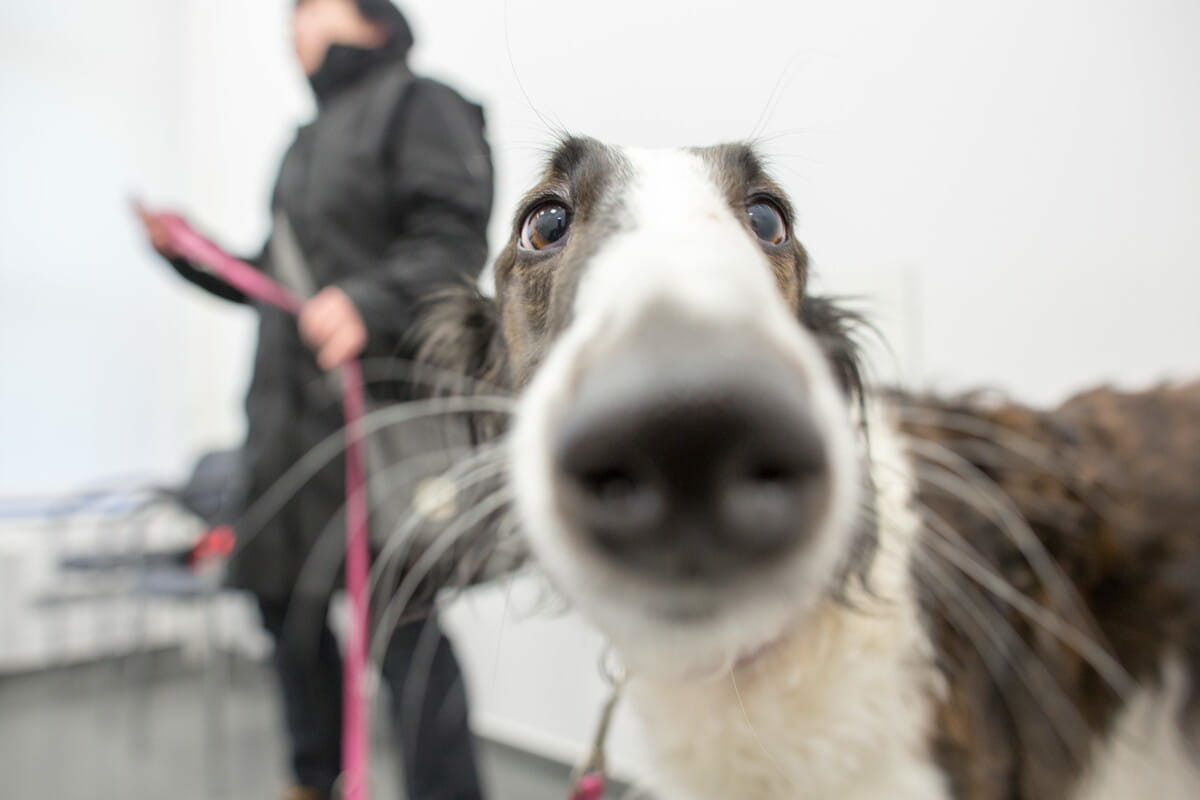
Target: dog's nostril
[
  {"x": 770, "y": 474},
  {"x": 618, "y": 503},
  {"x": 611, "y": 485},
  {"x": 766, "y": 504},
  {"x": 781, "y": 473}
]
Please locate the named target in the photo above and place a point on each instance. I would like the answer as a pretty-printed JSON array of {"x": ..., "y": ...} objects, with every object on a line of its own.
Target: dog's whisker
[
  {"x": 992, "y": 636},
  {"x": 1030, "y": 449},
  {"x": 420, "y": 661},
  {"x": 438, "y": 548},
  {"x": 980, "y": 492},
  {"x": 267, "y": 506},
  {"x": 412, "y": 373},
  {"x": 994, "y": 445},
  {"x": 508, "y": 589},
  {"x": 504, "y": 533},
  {"x": 963, "y": 556},
  {"x": 966, "y": 558},
  {"x": 431, "y": 375},
  {"x": 762, "y": 745},
  {"x": 322, "y": 565},
  {"x": 465, "y": 475}
]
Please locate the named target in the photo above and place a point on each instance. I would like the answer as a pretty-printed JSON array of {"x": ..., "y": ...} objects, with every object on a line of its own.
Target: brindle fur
[{"x": 1110, "y": 484}]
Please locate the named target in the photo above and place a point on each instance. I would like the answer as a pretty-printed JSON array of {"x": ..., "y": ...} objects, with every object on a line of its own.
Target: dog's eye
[
  {"x": 766, "y": 220},
  {"x": 546, "y": 226}
]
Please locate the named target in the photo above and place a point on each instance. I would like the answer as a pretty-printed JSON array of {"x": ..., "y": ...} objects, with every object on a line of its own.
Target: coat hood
[{"x": 344, "y": 65}]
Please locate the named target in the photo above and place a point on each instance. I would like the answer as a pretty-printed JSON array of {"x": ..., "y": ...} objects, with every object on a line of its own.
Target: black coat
[{"x": 388, "y": 192}]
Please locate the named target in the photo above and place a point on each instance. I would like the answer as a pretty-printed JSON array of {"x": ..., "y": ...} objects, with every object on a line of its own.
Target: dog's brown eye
[
  {"x": 545, "y": 226},
  {"x": 766, "y": 220}
]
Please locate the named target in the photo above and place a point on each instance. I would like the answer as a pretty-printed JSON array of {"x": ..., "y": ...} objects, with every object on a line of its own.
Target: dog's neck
[{"x": 838, "y": 708}]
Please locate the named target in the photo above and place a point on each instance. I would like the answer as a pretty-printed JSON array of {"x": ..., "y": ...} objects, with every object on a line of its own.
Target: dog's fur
[{"x": 999, "y": 603}]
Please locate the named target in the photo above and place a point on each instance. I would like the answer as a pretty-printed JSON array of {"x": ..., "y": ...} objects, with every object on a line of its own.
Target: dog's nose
[{"x": 690, "y": 463}]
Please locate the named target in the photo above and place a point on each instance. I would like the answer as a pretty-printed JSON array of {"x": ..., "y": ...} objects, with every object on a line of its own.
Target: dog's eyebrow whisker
[
  {"x": 769, "y": 108},
  {"x": 555, "y": 129}
]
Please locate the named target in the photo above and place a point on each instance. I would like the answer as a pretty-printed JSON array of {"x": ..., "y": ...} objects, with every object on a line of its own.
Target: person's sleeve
[
  {"x": 209, "y": 282},
  {"x": 442, "y": 192}
]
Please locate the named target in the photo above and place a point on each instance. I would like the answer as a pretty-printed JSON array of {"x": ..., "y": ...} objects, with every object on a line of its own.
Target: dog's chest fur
[{"x": 835, "y": 714}]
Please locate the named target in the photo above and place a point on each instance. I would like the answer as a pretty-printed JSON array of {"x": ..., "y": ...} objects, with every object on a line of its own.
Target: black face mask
[{"x": 343, "y": 66}]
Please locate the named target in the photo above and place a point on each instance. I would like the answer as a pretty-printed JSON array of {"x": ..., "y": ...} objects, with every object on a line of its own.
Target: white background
[{"x": 1014, "y": 185}]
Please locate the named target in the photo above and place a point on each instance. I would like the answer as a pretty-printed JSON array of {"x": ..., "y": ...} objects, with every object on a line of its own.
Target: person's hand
[
  {"x": 156, "y": 231},
  {"x": 333, "y": 328}
]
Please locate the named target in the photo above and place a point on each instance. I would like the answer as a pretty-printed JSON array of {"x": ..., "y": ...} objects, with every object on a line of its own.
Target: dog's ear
[
  {"x": 838, "y": 329},
  {"x": 460, "y": 341}
]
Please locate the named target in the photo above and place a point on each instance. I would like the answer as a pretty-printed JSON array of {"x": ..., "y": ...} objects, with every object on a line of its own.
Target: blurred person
[{"x": 384, "y": 195}]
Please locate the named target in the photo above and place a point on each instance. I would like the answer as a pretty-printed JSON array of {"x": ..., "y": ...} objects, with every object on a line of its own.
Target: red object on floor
[
  {"x": 590, "y": 787},
  {"x": 216, "y": 542}
]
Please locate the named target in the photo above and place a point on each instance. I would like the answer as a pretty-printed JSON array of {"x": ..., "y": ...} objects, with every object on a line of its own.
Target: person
[{"x": 384, "y": 195}]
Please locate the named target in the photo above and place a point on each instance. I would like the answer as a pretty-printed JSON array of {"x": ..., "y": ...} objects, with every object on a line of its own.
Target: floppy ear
[
  {"x": 459, "y": 336},
  {"x": 837, "y": 329}
]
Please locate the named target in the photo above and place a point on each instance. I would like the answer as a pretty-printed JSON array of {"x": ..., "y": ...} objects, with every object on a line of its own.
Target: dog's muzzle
[{"x": 691, "y": 456}]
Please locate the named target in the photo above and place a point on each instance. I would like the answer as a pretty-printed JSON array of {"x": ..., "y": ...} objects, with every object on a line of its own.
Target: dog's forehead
[{"x": 594, "y": 174}]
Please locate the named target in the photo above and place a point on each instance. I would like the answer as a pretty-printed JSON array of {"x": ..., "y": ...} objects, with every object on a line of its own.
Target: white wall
[
  {"x": 1031, "y": 165},
  {"x": 1017, "y": 180}
]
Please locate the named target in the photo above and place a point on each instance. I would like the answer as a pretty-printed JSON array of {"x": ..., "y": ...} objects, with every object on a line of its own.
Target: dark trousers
[{"x": 428, "y": 705}]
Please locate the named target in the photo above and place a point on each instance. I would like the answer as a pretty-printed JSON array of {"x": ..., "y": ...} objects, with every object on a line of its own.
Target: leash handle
[
  {"x": 238, "y": 274},
  {"x": 255, "y": 284}
]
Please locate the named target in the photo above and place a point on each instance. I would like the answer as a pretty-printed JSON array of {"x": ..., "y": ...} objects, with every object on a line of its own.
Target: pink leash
[{"x": 356, "y": 720}]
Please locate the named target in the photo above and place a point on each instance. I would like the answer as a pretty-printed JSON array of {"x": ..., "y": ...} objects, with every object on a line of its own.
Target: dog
[{"x": 821, "y": 590}]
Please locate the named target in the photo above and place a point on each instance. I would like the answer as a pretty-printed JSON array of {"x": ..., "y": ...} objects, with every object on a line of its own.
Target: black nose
[{"x": 692, "y": 463}]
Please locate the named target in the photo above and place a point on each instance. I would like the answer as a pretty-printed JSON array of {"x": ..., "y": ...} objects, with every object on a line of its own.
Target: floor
[{"x": 155, "y": 727}]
